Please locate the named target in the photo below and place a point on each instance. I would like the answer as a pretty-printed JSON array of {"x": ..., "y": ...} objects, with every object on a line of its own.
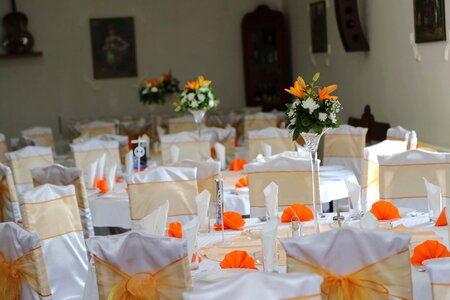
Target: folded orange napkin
[
  {"x": 384, "y": 210},
  {"x": 118, "y": 180},
  {"x": 242, "y": 182},
  {"x": 237, "y": 164},
  {"x": 101, "y": 184},
  {"x": 300, "y": 211},
  {"x": 238, "y": 259},
  {"x": 231, "y": 220},
  {"x": 427, "y": 250},
  {"x": 442, "y": 220},
  {"x": 175, "y": 230}
]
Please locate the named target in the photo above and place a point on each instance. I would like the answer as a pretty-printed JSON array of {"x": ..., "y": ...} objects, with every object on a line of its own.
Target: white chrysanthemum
[
  {"x": 203, "y": 89},
  {"x": 194, "y": 104},
  {"x": 201, "y": 97},
  {"x": 310, "y": 104},
  {"x": 322, "y": 117},
  {"x": 154, "y": 89},
  {"x": 210, "y": 96},
  {"x": 332, "y": 117},
  {"x": 211, "y": 103},
  {"x": 190, "y": 96}
]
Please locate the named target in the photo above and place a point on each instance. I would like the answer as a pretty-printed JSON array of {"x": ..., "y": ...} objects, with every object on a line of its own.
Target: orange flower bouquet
[
  {"x": 196, "y": 96},
  {"x": 155, "y": 91},
  {"x": 313, "y": 108}
]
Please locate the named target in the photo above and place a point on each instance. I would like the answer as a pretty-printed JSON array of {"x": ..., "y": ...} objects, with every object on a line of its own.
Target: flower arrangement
[
  {"x": 313, "y": 108},
  {"x": 154, "y": 91},
  {"x": 197, "y": 95}
]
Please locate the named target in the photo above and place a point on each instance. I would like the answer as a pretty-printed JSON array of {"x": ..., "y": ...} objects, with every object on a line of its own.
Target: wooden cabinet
[{"x": 266, "y": 67}]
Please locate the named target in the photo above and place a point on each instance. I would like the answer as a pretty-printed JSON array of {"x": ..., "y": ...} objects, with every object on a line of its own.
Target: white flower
[
  {"x": 203, "y": 89},
  {"x": 144, "y": 91},
  {"x": 210, "y": 96},
  {"x": 194, "y": 104},
  {"x": 310, "y": 104},
  {"x": 201, "y": 97},
  {"x": 322, "y": 116},
  {"x": 184, "y": 93},
  {"x": 332, "y": 117},
  {"x": 190, "y": 96},
  {"x": 154, "y": 89},
  {"x": 211, "y": 103},
  {"x": 183, "y": 100}
]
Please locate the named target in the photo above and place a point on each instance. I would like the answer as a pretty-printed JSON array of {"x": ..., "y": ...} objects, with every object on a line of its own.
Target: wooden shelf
[{"x": 23, "y": 55}]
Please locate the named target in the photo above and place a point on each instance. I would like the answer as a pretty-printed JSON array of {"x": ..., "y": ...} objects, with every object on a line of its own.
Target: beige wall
[
  {"x": 399, "y": 89},
  {"x": 191, "y": 37}
]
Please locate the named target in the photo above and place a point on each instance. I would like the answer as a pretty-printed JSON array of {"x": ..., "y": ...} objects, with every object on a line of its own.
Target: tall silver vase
[
  {"x": 312, "y": 140},
  {"x": 198, "y": 118}
]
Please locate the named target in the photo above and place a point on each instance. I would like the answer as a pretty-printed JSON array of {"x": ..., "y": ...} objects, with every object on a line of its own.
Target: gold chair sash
[
  {"x": 43, "y": 140},
  {"x": 441, "y": 291},
  {"x": 230, "y": 147},
  {"x": 208, "y": 184},
  {"x": 188, "y": 150},
  {"x": 344, "y": 145},
  {"x": 7, "y": 193},
  {"x": 278, "y": 144},
  {"x": 84, "y": 159},
  {"x": 80, "y": 191},
  {"x": 62, "y": 213},
  {"x": 258, "y": 124},
  {"x": 93, "y": 132},
  {"x": 406, "y": 180},
  {"x": 169, "y": 283},
  {"x": 29, "y": 268},
  {"x": 294, "y": 187},
  {"x": 384, "y": 279},
  {"x": 21, "y": 167},
  {"x": 3, "y": 150},
  {"x": 146, "y": 197},
  {"x": 177, "y": 127}
]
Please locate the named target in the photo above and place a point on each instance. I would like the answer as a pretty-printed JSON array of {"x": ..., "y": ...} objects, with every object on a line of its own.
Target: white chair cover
[
  {"x": 191, "y": 146},
  {"x": 350, "y": 251},
  {"x": 123, "y": 143},
  {"x": 59, "y": 175},
  {"x": 25, "y": 159},
  {"x": 439, "y": 271},
  {"x": 278, "y": 139},
  {"x": 226, "y": 136},
  {"x": 17, "y": 242},
  {"x": 258, "y": 285},
  {"x": 180, "y": 124},
  {"x": 9, "y": 206},
  {"x": 344, "y": 146},
  {"x": 42, "y": 136},
  {"x": 3, "y": 148},
  {"x": 370, "y": 177},
  {"x": 259, "y": 121},
  {"x": 401, "y": 134},
  {"x": 293, "y": 177},
  {"x": 86, "y": 153},
  {"x": 401, "y": 177},
  {"x": 434, "y": 195},
  {"x": 148, "y": 190},
  {"x": 207, "y": 172},
  {"x": 51, "y": 211},
  {"x": 95, "y": 128}
]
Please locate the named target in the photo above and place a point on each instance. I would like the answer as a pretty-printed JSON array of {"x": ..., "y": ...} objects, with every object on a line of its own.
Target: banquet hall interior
[{"x": 238, "y": 149}]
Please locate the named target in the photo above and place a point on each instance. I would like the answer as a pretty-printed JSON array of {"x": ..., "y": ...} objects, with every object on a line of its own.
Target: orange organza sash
[
  {"x": 441, "y": 291},
  {"x": 7, "y": 193},
  {"x": 21, "y": 167},
  {"x": 208, "y": 184},
  {"x": 389, "y": 277},
  {"x": 29, "y": 268},
  {"x": 170, "y": 282},
  {"x": 344, "y": 145}
]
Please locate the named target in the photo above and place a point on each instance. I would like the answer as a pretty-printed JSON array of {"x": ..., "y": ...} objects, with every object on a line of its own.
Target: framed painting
[
  {"x": 113, "y": 47},
  {"x": 429, "y": 20},
  {"x": 318, "y": 18}
]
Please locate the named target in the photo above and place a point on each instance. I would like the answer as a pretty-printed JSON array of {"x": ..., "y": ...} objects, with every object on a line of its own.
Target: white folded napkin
[
  {"x": 162, "y": 219},
  {"x": 101, "y": 166},
  {"x": 434, "y": 199},
  {"x": 260, "y": 157},
  {"x": 155, "y": 222},
  {"x": 271, "y": 198},
  {"x": 174, "y": 153},
  {"x": 269, "y": 244},
  {"x": 111, "y": 177},
  {"x": 129, "y": 162},
  {"x": 369, "y": 221},
  {"x": 91, "y": 173},
  {"x": 267, "y": 149},
  {"x": 202, "y": 200},
  {"x": 354, "y": 193},
  {"x": 190, "y": 231},
  {"x": 221, "y": 155}
]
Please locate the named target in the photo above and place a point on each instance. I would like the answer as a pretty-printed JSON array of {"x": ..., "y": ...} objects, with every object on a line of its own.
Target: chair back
[
  {"x": 86, "y": 153},
  {"x": 278, "y": 139},
  {"x": 150, "y": 189},
  {"x": 370, "y": 177},
  {"x": 180, "y": 124},
  {"x": 42, "y": 136},
  {"x": 20, "y": 248},
  {"x": 9, "y": 206},
  {"x": 401, "y": 134},
  {"x": 153, "y": 267},
  {"x": 123, "y": 143},
  {"x": 344, "y": 146},
  {"x": 438, "y": 269},
  {"x": 190, "y": 146},
  {"x": 258, "y": 121},
  {"x": 95, "y": 128},
  {"x": 25, "y": 159},
  {"x": 402, "y": 174},
  {"x": 62, "y": 176},
  {"x": 52, "y": 212},
  {"x": 226, "y": 136}
]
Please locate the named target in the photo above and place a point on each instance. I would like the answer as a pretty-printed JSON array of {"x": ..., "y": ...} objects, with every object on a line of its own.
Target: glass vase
[
  {"x": 198, "y": 118},
  {"x": 312, "y": 140}
]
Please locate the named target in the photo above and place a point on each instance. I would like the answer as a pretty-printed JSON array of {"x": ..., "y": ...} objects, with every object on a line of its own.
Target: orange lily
[
  {"x": 202, "y": 81},
  {"x": 298, "y": 89},
  {"x": 192, "y": 85},
  {"x": 326, "y": 91},
  {"x": 152, "y": 82},
  {"x": 166, "y": 77}
]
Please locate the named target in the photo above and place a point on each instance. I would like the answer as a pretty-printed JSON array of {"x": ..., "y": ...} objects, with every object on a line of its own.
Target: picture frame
[
  {"x": 429, "y": 21},
  {"x": 113, "y": 47}
]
